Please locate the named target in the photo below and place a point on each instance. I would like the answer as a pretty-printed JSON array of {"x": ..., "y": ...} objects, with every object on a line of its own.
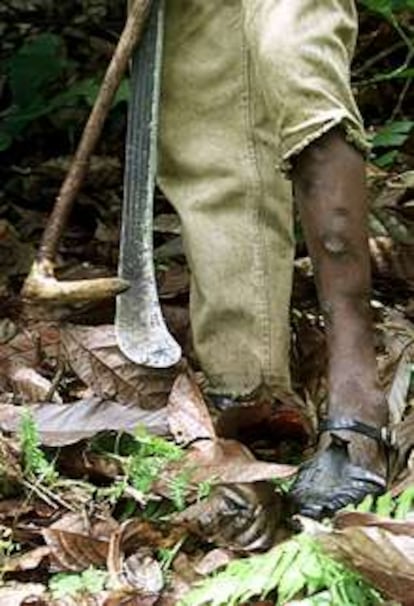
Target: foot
[
  {"x": 348, "y": 465},
  {"x": 263, "y": 424}
]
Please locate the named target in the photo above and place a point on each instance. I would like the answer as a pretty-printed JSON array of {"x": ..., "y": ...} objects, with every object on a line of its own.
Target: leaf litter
[{"x": 117, "y": 486}]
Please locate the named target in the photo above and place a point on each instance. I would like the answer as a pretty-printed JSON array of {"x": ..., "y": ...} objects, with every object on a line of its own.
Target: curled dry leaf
[
  {"x": 399, "y": 387},
  {"x": 142, "y": 571},
  {"x": 188, "y": 416},
  {"x": 381, "y": 550},
  {"x": 130, "y": 561},
  {"x": 226, "y": 462},
  {"x": 242, "y": 517},
  {"x": 27, "y": 561},
  {"x": 26, "y": 348},
  {"x": 63, "y": 424},
  {"x": 31, "y": 386},
  {"x": 396, "y": 334},
  {"x": 213, "y": 560},
  {"x": 77, "y": 544},
  {"x": 15, "y": 594},
  {"x": 403, "y": 434},
  {"x": 94, "y": 356},
  {"x": 392, "y": 261},
  {"x": 11, "y": 474},
  {"x": 131, "y": 536}
]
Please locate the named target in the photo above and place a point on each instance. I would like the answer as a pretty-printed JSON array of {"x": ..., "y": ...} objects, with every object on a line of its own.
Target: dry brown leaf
[
  {"x": 95, "y": 357},
  {"x": 11, "y": 474},
  {"x": 143, "y": 572},
  {"x": 28, "y": 346},
  {"x": 188, "y": 416},
  {"x": 173, "y": 282},
  {"x": 241, "y": 517},
  {"x": 31, "y": 386},
  {"x": 15, "y": 256},
  {"x": 167, "y": 223},
  {"x": 182, "y": 576},
  {"x": 213, "y": 560},
  {"x": 76, "y": 544},
  {"x": 392, "y": 261},
  {"x": 27, "y": 561},
  {"x": 131, "y": 536},
  {"x": 129, "y": 597},
  {"x": 8, "y": 330},
  {"x": 399, "y": 387},
  {"x": 15, "y": 594},
  {"x": 396, "y": 334},
  {"x": 228, "y": 462},
  {"x": 381, "y": 550},
  {"x": 63, "y": 424}
]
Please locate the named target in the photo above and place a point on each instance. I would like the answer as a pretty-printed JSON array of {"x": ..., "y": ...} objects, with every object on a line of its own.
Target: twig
[
  {"x": 383, "y": 54},
  {"x": 401, "y": 97},
  {"x": 55, "y": 381}
]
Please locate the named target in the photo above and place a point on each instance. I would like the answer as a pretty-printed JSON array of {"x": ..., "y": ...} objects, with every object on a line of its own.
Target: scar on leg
[{"x": 335, "y": 237}]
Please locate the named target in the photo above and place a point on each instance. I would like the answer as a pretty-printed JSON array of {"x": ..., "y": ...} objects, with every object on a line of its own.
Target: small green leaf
[
  {"x": 393, "y": 134},
  {"x": 386, "y": 160},
  {"x": 38, "y": 62}
]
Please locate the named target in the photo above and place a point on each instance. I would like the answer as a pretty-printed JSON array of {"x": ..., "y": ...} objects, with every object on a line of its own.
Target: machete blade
[{"x": 140, "y": 327}]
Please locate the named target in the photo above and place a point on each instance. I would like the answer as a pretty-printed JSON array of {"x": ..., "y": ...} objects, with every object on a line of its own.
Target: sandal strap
[{"x": 382, "y": 435}]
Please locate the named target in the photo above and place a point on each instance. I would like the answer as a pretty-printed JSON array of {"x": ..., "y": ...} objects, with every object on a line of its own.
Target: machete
[{"x": 141, "y": 331}]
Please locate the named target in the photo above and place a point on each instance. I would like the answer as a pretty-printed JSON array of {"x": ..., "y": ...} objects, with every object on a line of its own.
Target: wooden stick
[
  {"x": 93, "y": 129},
  {"x": 41, "y": 282}
]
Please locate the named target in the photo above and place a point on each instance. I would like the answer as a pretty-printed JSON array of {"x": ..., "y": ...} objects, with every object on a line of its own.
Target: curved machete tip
[{"x": 159, "y": 351}]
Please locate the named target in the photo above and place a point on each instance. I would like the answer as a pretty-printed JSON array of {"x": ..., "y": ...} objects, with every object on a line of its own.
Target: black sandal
[{"x": 329, "y": 481}]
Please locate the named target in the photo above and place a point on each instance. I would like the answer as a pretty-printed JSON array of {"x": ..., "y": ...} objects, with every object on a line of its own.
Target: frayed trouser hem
[{"x": 352, "y": 133}]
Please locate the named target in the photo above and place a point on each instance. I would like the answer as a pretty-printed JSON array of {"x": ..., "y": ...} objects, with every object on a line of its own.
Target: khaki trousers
[{"x": 247, "y": 84}]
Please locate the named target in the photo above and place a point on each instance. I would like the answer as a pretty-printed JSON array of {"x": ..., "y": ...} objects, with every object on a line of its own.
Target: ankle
[{"x": 363, "y": 403}]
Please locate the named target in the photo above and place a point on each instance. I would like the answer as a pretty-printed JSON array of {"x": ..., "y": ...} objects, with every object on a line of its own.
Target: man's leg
[
  {"x": 217, "y": 168},
  {"x": 329, "y": 188},
  {"x": 303, "y": 51}
]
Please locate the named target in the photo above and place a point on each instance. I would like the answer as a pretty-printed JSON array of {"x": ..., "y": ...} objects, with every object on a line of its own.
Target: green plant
[
  {"x": 36, "y": 75},
  {"x": 178, "y": 487},
  {"x": 149, "y": 457},
  {"x": 391, "y": 136},
  {"x": 166, "y": 556},
  {"x": 204, "y": 489},
  {"x": 388, "y": 506},
  {"x": 297, "y": 566},
  {"x": 388, "y": 10},
  {"x": 66, "y": 584},
  {"x": 35, "y": 462}
]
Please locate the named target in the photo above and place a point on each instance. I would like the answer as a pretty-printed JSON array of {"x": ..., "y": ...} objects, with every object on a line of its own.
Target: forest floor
[{"x": 116, "y": 485}]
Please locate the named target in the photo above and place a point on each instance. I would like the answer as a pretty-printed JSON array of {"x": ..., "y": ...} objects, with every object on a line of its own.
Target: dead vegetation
[{"x": 116, "y": 487}]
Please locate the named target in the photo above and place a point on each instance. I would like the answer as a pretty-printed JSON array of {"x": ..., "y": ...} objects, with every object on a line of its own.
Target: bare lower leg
[{"x": 329, "y": 186}]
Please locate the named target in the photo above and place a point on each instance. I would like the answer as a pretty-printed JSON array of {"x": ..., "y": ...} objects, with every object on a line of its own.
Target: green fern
[
  {"x": 297, "y": 566},
  {"x": 35, "y": 462},
  {"x": 388, "y": 506},
  {"x": 75, "y": 585},
  {"x": 149, "y": 458}
]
